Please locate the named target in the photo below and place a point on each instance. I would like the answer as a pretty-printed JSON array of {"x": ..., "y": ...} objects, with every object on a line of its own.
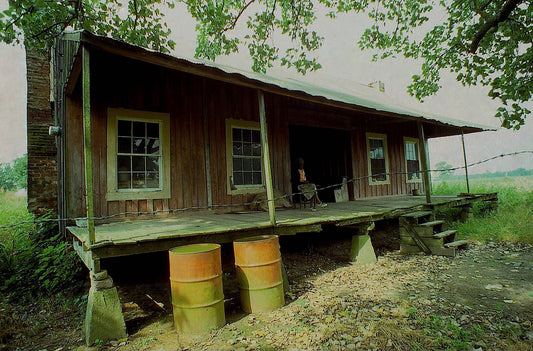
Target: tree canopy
[
  {"x": 487, "y": 42},
  {"x": 37, "y": 23},
  {"x": 13, "y": 176},
  {"x": 483, "y": 42}
]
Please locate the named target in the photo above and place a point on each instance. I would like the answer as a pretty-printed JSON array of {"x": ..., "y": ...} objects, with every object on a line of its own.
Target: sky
[{"x": 344, "y": 67}]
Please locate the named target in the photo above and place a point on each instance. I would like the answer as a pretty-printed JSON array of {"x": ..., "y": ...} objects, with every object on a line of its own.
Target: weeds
[{"x": 513, "y": 220}]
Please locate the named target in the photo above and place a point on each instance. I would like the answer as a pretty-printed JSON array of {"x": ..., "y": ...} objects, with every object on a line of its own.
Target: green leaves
[
  {"x": 264, "y": 20},
  {"x": 38, "y": 22}
]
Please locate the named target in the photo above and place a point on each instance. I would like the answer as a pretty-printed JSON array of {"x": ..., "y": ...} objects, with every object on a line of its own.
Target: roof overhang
[{"x": 436, "y": 125}]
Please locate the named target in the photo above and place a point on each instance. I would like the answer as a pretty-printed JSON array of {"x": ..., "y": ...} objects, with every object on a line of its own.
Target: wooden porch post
[
  {"x": 87, "y": 145},
  {"x": 466, "y": 163},
  {"x": 266, "y": 159},
  {"x": 424, "y": 161}
]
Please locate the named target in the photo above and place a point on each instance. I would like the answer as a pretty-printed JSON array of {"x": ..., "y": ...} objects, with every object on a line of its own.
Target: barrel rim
[
  {"x": 175, "y": 250},
  {"x": 257, "y": 238}
]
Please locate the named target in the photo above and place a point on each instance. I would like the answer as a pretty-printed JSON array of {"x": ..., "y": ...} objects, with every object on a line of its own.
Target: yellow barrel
[
  {"x": 258, "y": 263},
  {"x": 196, "y": 286}
]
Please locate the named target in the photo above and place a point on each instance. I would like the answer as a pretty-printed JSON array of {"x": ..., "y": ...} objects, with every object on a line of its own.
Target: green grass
[
  {"x": 513, "y": 220},
  {"x": 13, "y": 210}
]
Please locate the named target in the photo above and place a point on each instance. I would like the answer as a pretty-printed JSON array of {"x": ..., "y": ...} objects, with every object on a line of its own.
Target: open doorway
[{"x": 327, "y": 155}]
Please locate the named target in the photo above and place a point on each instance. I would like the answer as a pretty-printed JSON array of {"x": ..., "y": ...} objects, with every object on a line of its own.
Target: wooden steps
[{"x": 420, "y": 231}]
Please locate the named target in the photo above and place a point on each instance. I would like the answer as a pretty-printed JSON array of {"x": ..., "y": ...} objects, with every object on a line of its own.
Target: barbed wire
[{"x": 42, "y": 220}]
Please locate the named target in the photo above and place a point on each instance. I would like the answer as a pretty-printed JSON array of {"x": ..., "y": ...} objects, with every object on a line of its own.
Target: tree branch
[
  {"x": 238, "y": 16},
  {"x": 506, "y": 11}
]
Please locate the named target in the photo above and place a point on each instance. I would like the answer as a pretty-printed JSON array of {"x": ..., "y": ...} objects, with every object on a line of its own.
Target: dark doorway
[{"x": 327, "y": 155}]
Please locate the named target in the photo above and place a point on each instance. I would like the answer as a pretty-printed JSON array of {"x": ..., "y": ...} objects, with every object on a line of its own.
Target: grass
[
  {"x": 13, "y": 210},
  {"x": 513, "y": 220}
]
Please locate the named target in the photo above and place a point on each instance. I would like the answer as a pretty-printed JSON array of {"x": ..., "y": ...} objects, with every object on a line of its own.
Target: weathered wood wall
[{"x": 190, "y": 100}]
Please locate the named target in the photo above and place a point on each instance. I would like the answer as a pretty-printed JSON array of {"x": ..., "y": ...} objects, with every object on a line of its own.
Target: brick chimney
[{"x": 42, "y": 151}]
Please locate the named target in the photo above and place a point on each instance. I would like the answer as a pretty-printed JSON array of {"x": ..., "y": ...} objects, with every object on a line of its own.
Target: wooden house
[
  {"x": 156, "y": 151},
  {"x": 148, "y": 135}
]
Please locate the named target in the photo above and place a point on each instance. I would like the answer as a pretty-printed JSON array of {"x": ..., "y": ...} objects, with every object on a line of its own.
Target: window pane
[
  {"x": 137, "y": 163},
  {"x": 124, "y": 145},
  {"x": 139, "y": 146},
  {"x": 237, "y": 178},
  {"x": 152, "y": 164},
  {"x": 257, "y": 178},
  {"x": 413, "y": 169},
  {"x": 256, "y": 136},
  {"x": 378, "y": 170},
  {"x": 256, "y": 164},
  {"x": 248, "y": 178},
  {"x": 237, "y": 164},
  {"x": 139, "y": 180},
  {"x": 124, "y": 128},
  {"x": 152, "y": 130},
  {"x": 139, "y": 129},
  {"x": 237, "y": 134},
  {"x": 247, "y": 149},
  {"x": 247, "y": 135},
  {"x": 123, "y": 163},
  {"x": 256, "y": 149},
  {"x": 152, "y": 147},
  {"x": 124, "y": 180},
  {"x": 152, "y": 180},
  {"x": 237, "y": 148},
  {"x": 247, "y": 164}
]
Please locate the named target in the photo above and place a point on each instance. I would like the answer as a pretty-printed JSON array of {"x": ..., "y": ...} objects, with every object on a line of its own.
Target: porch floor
[{"x": 131, "y": 236}]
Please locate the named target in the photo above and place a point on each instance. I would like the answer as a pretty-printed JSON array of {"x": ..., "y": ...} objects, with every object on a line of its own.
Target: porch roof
[{"x": 363, "y": 101}]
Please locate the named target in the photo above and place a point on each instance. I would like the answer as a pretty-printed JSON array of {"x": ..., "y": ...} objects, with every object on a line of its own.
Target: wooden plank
[
  {"x": 87, "y": 142},
  {"x": 266, "y": 159},
  {"x": 207, "y": 150},
  {"x": 424, "y": 161}
]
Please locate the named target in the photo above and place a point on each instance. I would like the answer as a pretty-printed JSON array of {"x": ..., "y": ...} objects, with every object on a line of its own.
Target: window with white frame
[
  {"x": 377, "y": 158},
  {"x": 245, "y": 166},
  {"x": 138, "y": 155},
  {"x": 412, "y": 159}
]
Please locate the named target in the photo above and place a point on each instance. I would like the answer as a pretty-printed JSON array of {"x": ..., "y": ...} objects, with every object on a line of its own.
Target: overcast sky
[{"x": 345, "y": 67}]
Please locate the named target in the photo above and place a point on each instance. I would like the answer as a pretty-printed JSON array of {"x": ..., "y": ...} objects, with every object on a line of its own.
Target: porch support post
[
  {"x": 362, "y": 251},
  {"x": 87, "y": 144},
  {"x": 424, "y": 162},
  {"x": 266, "y": 159},
  {"x": 466, "y": 162}
]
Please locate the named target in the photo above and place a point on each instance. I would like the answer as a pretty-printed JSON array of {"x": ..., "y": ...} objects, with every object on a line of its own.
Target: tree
[
  {"x": 37, "y": 23},
  {"x": 14, "y": 176},
  {"x": 444, "y": 169},
  {"x": 487, "y": 42}
]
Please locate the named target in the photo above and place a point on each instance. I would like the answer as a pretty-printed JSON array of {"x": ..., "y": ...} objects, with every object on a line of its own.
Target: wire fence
[{"x": 43, "y": 220}]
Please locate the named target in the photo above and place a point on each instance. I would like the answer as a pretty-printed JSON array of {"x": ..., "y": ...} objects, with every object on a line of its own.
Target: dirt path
[{"x": 480, "y": 300}]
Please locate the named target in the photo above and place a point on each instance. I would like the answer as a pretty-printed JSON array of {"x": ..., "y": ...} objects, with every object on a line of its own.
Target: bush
[{"x": 38, "y": 263}]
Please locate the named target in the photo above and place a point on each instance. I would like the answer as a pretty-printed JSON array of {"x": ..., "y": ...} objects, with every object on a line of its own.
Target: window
[
  {"x": 377, "y": 158},
  {"x": 245, "y": 166},
  {"x": 412, "y": 159},
  {"x": 137, "y": 155}
]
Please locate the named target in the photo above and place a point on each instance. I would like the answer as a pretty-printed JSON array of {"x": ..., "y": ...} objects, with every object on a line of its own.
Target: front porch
[{"x": 137, "y": 236}]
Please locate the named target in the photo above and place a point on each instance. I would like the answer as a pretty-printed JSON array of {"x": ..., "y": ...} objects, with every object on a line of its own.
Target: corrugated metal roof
[{"x": 369, "y": 99}]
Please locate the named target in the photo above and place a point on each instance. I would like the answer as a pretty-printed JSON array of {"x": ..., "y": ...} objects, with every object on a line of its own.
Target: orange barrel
[
  {"x": 196, "y": 286},
  {"x": 258, "y": 263}
]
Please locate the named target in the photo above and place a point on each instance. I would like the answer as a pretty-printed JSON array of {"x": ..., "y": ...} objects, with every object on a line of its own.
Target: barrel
[
  {"x": 196, "y": 287},
  {"x": 258, "y": 265}
]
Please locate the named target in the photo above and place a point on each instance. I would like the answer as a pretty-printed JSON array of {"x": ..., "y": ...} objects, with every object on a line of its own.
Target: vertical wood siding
[{"x": 122, "y": 83}]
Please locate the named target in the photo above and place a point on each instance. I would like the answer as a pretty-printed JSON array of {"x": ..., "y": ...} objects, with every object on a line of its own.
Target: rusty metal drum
[
  {"x": 196, "y": 287},
  {"x": 258, "y": 264}
]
